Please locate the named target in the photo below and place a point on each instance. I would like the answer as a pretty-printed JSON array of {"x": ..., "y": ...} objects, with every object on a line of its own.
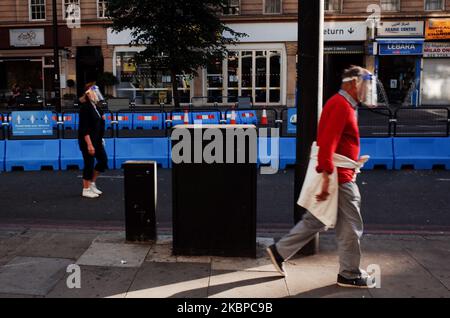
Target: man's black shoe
[
  {"x": 276, "y": 259},
  {"x": 360, "y": 282}
]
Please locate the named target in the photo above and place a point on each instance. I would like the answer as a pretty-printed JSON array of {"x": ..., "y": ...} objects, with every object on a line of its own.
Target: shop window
[
  {"x": 68, "y": 6},
  {"x": 272, "y": 6},
  {"x": 101, "y": 8},
  {"x": 254, "y": 74},
  {"x": 232, "y": 7},
  {"x": 434, "y": 5},
  {"x": 390, "y": 5},
  {"x": 37, "y": 10},
  {"x": 146, "y": 85},
  {"x": 332, "y": 5}
]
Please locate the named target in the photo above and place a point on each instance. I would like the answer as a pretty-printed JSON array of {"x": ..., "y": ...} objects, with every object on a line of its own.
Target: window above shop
[
  {"x": 101, "y": 9},
  {"x": 333, "y": 6},
  {"x": 233, "y": 7},
  {"x": 68, "y": 6},
  {"x": 434, "y": 5},
  {"x": 273, "y": 6},
  {"x": 37, "y": 10},
  {"x": 390, "y": 5}
]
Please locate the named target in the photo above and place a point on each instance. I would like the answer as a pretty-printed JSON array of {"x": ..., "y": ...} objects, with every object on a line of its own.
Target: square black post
[
  {"x": 214, "y": 204},
  {"x": 309, "y": 90},
  {"x": 140, "y": 200}
]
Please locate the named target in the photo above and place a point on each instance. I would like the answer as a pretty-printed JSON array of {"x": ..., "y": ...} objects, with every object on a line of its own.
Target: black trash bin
[
  {"x": 214, "y": 205},
  {"x": 140, "y": 200}
]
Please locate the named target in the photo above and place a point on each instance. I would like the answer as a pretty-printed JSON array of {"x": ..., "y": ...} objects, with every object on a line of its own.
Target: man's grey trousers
[{"x": 349, "y": 229}]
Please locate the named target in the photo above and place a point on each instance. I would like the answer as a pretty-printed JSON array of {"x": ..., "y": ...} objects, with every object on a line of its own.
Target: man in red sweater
[{"x": 337, "y": 133}]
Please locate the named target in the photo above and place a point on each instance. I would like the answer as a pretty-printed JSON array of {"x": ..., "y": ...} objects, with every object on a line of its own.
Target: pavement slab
[
  {"x": 57, "y": 244},
  {"x": 114, "y": 254},
  {"x": 311, "y": 281},
  {"x": 172, "y": 280},
  {"x": 246, "y": 284},
  {"x": 38, "y": 275},
  {"x": 97, "y": 282}
]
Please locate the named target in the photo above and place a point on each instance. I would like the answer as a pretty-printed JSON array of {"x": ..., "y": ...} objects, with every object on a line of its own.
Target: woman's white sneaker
[
  {"x": 88, "y": 193},
  {"x": 95, "y": 189}
]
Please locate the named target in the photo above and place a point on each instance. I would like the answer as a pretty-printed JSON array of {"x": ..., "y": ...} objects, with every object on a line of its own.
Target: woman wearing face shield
[
  {"x": 90, "y": 139},
  {"x": 337, "y": 137}
]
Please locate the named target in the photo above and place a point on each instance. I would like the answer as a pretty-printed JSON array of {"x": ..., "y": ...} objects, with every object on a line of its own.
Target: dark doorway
[
  {"x": 334, "y": 65},
  {"x": 397, "y": 74},
  {"x": 89, "y": 66}
]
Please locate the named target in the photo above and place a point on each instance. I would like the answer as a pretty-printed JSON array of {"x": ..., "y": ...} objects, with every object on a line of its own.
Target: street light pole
[
  {"x": 56, "y": 79},
  {"x": 309, "y": 95}
]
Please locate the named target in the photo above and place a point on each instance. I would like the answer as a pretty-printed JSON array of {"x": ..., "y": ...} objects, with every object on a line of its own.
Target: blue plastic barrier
[
  {"x": 108, "y": 121},
  {"x": 32, "y": 155},
  {"x": 148, "y": 121},
  {"x": 380, "y": 150},
  {"x": 125, "y": 121},
  {"x": 155, "y": 149},
  {"x": 287, "y": 151},
  {"x": 70, "y": 154},
  {"x": 178, "y": 118},
  {"x": 2, "y": 155},
  {"x": 248, "y": 117},
  {"x": 228, "y": 118},
  {"x": 206, "y": 117},
  {"x": 70, "y": 121},
  {"x": 422, "y": 152},
  {"x": 110, "y": 152}
]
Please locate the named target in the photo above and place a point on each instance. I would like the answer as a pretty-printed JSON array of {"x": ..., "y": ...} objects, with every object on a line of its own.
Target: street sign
[
  {"x": 32, "y": 123},
  {"x": 345, "y": 31}
]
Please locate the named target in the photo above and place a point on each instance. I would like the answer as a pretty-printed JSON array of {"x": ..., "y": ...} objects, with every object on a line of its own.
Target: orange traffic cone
[
  {"x": 186, "y": 117},
  {"x": 264, "y": 117},
  {"x": 233, "y": 118}
]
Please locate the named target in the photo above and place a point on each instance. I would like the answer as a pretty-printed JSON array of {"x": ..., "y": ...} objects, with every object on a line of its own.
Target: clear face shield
[
  {"x": 94, "y": 94},
  {"x": 367, "y": 90}
]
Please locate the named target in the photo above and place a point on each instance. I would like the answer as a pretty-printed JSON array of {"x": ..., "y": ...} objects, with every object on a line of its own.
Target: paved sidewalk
[{"x": 33, "y": 263}]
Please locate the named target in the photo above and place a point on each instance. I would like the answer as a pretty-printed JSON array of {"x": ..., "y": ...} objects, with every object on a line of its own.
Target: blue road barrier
[
  {"x": 380, "y": 150},
  {"x": 70, "y": 120},
  {"x": 149, "y": 121},
  {"x": 247, "y": 117},
  {"x": 227, "y": 116},
  {"x": 422, "y": 152},
  {"x": 2, "y": 155},
  {"x": 178, "y": 118},
  {"x": 32, "y": 155},
  {"x": 70, "y": 154},
  {"x": 206, "y": 117},
  {"x": 125, "y": 121},
  {"x": 110, "y": 152},
  {"x": 155, "y": 149},
  {"x": 287, "y": 151}
]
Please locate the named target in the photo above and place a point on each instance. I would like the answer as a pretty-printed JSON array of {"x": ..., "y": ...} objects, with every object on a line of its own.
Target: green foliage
[{"x": 178, "y": 35}]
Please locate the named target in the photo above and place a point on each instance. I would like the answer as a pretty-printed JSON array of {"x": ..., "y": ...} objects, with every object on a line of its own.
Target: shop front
[
  {"x": 344, "y": 46},
  {"x": 436, "y": 63},
  {"x": 26, "y": 61},
  {"x": 398, "y": 62}
]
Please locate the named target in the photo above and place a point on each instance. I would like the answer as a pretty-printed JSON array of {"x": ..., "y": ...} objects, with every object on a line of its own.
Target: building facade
[{"x": 405, "y": 42}]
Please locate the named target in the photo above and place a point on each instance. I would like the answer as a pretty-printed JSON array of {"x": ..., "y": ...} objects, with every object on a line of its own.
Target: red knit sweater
[{"x": 338, "y": 132}]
